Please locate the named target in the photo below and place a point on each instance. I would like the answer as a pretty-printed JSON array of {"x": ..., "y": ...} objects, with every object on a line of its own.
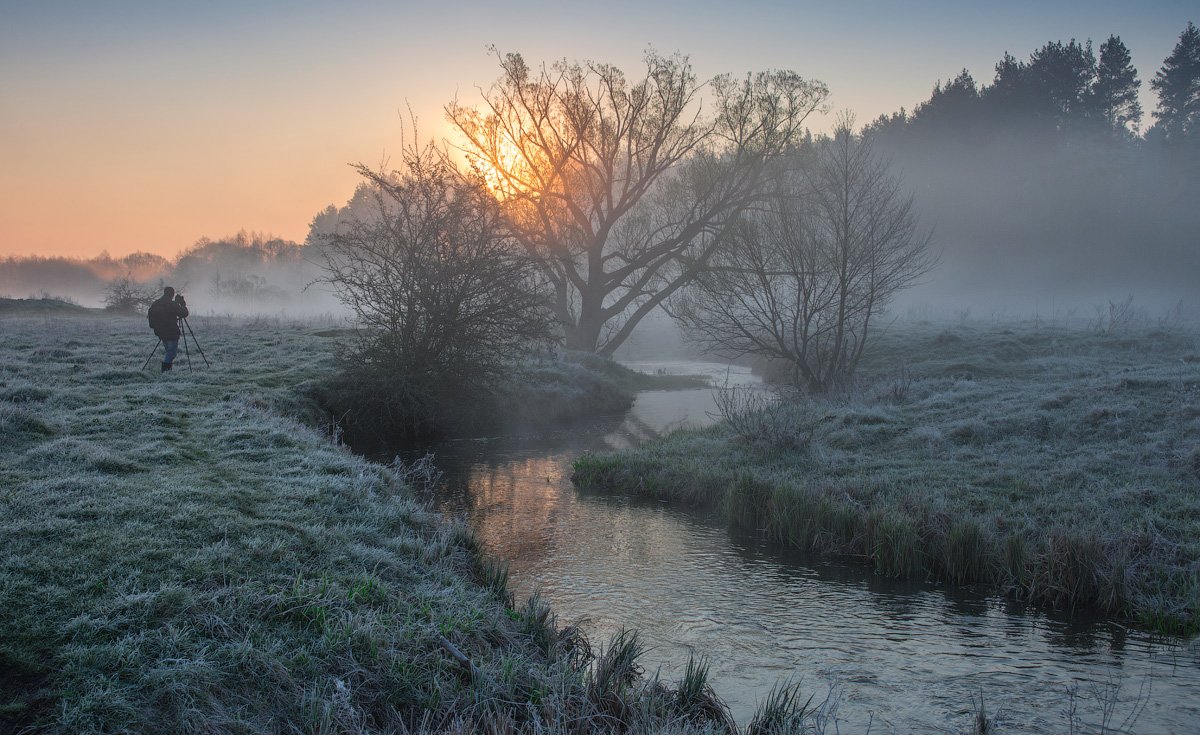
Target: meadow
[
  {"x": 1057, "y": 463},
  {"x": 194, "y": 552}
]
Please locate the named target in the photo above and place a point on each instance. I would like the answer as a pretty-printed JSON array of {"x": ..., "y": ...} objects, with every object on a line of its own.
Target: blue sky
[{"x": 146, "y": 125}]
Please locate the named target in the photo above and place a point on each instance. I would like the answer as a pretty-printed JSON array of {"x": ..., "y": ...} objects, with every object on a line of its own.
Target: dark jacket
[{"x": 162, "y": 316}]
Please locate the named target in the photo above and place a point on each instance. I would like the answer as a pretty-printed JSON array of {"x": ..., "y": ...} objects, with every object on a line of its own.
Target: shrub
[{"x": 444, "y": 300}]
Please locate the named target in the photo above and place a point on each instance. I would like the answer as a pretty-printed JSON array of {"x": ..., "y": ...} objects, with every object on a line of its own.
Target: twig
[{"x": 460, "y": 657}]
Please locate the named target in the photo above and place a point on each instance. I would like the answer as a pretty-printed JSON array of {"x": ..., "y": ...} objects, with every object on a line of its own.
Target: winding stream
[{"x": 898, "y": 656}]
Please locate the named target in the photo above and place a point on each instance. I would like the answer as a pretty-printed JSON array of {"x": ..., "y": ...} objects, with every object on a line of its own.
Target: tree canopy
[
  {"x": 1178, "y": 86},
  {"x": 1115, "y": 90},
  {"x": 622, "y": 188},
  {"x": 1061, "y": 89},
  {"x": 804, "y": 277}
]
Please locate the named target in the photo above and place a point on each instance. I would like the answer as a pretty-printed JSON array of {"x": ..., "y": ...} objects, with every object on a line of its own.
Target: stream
[{"x": 897, "y": 656}]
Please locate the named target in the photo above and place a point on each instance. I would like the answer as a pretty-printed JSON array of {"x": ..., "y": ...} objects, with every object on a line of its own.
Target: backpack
[{"x": 156, "y": 317}]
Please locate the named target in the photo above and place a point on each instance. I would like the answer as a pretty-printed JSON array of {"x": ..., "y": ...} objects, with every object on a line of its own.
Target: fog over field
[
  {"x": 246, "y": 273},
  {"x": 625, "y": 390},
  {"x": 1051, "y": 226},
  {"x": 1044, "y": 185}
]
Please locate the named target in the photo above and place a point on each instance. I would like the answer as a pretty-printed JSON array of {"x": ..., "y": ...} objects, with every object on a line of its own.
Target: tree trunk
[{"x": 584, "y": 334}]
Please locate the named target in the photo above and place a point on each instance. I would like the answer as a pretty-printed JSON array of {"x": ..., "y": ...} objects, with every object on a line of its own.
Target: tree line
[
  {"x": 590, "y": 198},
  {"x": 1050, "y": 184},
  {"x": 1063, "y": 89},
  {"x": 610, "y": 196}
]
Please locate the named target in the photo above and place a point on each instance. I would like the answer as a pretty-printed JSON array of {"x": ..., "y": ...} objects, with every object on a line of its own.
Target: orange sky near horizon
[{"x": 139, "y": 126}]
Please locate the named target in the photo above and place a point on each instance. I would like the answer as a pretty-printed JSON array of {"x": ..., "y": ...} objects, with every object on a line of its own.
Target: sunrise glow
[
  {"x": 509, "y": 173},
  {"x": 146, "y": 126}
]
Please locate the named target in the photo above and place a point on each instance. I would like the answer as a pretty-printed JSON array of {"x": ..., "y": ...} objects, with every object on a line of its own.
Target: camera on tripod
[{"x": 170, "y": 325}]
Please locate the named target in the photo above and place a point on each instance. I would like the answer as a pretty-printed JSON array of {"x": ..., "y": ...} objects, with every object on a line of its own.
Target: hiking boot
[{"x": 165, "y": 367}]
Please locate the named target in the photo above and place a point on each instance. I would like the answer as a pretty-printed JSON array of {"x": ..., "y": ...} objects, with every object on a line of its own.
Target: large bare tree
[
  {"x": 803, "y": 278},
  {"x": 623, "y": 189}
]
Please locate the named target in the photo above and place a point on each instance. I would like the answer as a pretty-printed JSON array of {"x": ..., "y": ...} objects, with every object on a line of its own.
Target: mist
[
  {"x": 247, "y": 274},
  {"x": 1044, "y": 195},
  {"x": 1054, "y": 226}
]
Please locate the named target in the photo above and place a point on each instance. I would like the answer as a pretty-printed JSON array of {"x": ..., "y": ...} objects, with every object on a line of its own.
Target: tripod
[{"x": 183, "y": 323}]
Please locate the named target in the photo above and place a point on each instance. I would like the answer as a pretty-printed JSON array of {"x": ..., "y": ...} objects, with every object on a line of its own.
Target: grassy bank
[
  {"x": 186, "y": 553},
  {"x": 180, "y": 555},
  {"x": 1059, "y": 465}
]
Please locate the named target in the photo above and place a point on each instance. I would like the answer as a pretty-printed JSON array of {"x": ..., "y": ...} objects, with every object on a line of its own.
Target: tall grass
[{"x": 1058, "y": 465}]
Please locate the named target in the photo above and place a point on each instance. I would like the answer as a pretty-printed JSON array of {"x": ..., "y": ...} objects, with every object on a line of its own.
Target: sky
[{"x": 146, "y": 125}]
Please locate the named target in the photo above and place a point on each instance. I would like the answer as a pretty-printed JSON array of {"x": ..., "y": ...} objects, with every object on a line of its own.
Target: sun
[{"x": 505, "y": 168}]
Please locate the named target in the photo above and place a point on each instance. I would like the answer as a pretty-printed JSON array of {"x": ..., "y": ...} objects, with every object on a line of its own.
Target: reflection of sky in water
[{"x": 906, "y": 654}]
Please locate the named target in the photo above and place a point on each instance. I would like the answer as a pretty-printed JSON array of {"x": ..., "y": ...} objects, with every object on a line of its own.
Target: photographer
[{"x": 164, "y": 316}]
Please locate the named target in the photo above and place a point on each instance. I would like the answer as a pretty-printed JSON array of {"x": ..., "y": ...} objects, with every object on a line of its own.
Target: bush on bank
[{"x": 556, "y": 387}]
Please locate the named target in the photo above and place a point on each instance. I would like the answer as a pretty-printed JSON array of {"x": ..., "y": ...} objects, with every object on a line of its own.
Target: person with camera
[{"x": 164, "y": 316}]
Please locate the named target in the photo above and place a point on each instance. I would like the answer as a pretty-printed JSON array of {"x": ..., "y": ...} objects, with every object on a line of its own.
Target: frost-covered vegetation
[
  {"x": 180, "y": 554},
  {"x": 1061, "y": 465},
  {"x": 189, "y": 552}
]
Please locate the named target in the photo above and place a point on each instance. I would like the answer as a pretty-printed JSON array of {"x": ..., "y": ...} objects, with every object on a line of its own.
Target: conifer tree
[
  {"x": 1060, "y": 77},
  {"x": 1115, "y": 92},
  {"x": 1050, "y": 92},
  {"x": 1178, "y": 86}
]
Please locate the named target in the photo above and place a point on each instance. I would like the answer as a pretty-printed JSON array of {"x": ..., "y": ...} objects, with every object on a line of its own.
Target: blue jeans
[{"x": 170, "y": 347}]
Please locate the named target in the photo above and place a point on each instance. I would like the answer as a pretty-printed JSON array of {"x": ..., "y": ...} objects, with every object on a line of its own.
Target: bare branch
[
  {"x": 622, "y": 184},
  {"x": 802, "y": 279}
]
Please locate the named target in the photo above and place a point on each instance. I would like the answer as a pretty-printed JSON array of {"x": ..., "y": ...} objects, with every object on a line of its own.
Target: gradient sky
[{"x": 146, "y": 125}]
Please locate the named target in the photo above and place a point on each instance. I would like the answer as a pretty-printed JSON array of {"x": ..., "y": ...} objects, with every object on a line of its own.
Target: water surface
[{"x": 900, "y": 656}]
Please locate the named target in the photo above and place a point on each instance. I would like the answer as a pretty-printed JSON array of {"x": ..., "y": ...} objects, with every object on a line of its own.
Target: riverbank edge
[
  {"x": 1067, "y": 569},
  {"x": 108, "y": 630},
  {"x": 550, "y": 389}
]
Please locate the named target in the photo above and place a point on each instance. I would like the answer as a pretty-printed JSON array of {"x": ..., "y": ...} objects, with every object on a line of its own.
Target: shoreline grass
[
  {"x": 1056, "y": 465},
  {"x": 185, "y": 553}
]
